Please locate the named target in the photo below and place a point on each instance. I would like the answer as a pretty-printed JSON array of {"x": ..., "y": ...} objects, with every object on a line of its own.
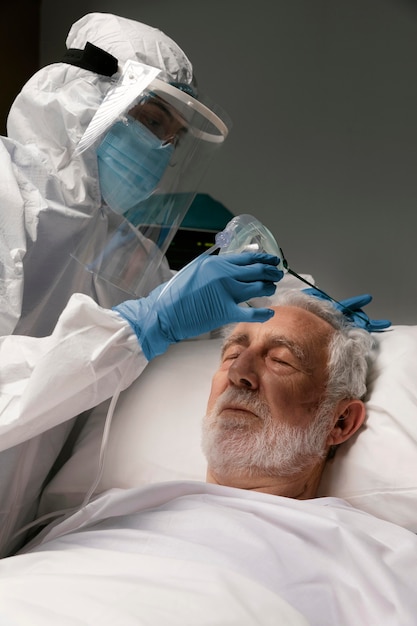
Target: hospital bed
[{"x": 155, "y": 439}]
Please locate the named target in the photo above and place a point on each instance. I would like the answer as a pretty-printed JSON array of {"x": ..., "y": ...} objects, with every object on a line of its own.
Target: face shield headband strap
[
  {"x": 97, "y": 60},
  {"x": 93, "y": 59}
]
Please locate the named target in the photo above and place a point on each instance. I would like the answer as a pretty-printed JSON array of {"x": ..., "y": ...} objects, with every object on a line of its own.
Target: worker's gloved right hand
[{"x": 203, "y": 296}]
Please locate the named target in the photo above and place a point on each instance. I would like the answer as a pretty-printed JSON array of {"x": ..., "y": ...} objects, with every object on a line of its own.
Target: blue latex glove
[
  {"x": 204, "y": 295},
  {"x": 352, "y": 309}
]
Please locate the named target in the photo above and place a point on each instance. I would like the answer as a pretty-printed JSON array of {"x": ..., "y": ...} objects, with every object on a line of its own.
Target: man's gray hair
[{"x": 351, "y": 350}]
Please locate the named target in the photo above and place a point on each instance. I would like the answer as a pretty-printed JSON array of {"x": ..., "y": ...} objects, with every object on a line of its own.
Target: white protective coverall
[
  {"x": 48, "y": 200},
  {"x": 48, "y": 197}
]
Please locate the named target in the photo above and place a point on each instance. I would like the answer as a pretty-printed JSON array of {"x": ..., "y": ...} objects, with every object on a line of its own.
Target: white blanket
[{"x": 192, "y": 553}]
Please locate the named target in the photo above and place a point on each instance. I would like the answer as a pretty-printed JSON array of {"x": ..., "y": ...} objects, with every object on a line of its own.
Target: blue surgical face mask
[{"x": 131, "y": 162}]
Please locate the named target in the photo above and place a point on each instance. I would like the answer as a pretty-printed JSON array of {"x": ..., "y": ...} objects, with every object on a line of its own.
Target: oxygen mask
[{"x": 245, "y": 233}]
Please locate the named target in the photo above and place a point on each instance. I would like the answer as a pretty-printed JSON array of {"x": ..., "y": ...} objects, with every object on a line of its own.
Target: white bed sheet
[
  {"x": 193, "y": 553},
  {"x": 122, "y": 591}
]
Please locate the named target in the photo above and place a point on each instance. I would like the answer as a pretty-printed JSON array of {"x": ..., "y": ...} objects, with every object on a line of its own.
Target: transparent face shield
[{"x": 154, "y": 142}]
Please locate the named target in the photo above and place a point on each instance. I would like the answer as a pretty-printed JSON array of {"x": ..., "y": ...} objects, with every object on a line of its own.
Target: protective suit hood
[
  {"x": 126, "y": 39},
  {"x": 56, "y": 105}
]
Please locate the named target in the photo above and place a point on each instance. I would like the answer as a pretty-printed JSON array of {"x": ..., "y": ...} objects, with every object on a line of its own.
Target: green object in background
[
  {"x": 204, "y": 219},
  {"x": 205, "y": 213}
]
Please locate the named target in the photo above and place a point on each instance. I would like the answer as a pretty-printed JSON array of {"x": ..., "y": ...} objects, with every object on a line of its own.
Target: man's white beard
[{"x": 243, "y": 444}]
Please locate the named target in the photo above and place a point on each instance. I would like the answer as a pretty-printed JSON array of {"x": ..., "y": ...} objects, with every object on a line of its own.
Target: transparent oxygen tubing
[{"x": 63, "y": 513}]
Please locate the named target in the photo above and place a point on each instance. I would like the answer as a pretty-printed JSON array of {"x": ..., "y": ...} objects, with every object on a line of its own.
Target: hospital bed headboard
[{"x": 155, "y": 433}]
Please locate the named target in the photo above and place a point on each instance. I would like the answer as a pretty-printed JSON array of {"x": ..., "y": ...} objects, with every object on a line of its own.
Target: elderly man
[{"x": 252, "y": 545}]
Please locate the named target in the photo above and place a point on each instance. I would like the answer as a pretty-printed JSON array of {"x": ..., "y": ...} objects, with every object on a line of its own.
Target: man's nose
[{"x": 242, "y": 372}]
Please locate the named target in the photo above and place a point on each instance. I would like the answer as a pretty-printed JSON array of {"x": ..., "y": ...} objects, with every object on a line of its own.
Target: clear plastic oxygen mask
[{"x": 245, "y": 233}]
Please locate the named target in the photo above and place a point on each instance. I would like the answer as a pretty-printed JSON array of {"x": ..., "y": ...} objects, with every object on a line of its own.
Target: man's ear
[{"x": 349, "y": 418}]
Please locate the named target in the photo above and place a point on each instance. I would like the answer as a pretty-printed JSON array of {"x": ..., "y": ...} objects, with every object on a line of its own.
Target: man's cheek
[{"x": 218, "y": 386}]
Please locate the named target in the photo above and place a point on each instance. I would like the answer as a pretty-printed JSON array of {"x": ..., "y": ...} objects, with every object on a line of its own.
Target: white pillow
[
  {"x": 376, "y": 470},
  {"x": 155, "y": 434}
]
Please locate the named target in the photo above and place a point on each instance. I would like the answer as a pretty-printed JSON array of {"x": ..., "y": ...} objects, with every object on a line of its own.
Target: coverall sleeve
[
  {"x": 13, "y": 243},
  {"x": 45, "y": 381}
]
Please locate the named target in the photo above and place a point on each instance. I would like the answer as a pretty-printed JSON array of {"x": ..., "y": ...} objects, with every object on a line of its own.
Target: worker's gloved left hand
[
  {"x": 203, "y": 296},
  {"x": 352, "y": 308}
]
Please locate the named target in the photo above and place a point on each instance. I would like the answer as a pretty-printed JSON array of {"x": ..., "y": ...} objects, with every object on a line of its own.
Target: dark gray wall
[
  {"x": 19, "y": 49},
  {"x": 323, "y": 150}
]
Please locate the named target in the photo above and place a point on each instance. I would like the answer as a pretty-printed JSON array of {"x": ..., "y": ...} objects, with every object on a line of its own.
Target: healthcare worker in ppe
[
  {"x": 104, "y": 154},
  {"x": 102, "y": 160},
  {"x": 94, "y": 352}
]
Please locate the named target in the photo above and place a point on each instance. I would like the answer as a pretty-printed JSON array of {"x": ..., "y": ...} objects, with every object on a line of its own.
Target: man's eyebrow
[
  {"x": 242, "y": 339},
  {"x": 293, "y": 346},
  {"x": 237, "y": 339}
]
